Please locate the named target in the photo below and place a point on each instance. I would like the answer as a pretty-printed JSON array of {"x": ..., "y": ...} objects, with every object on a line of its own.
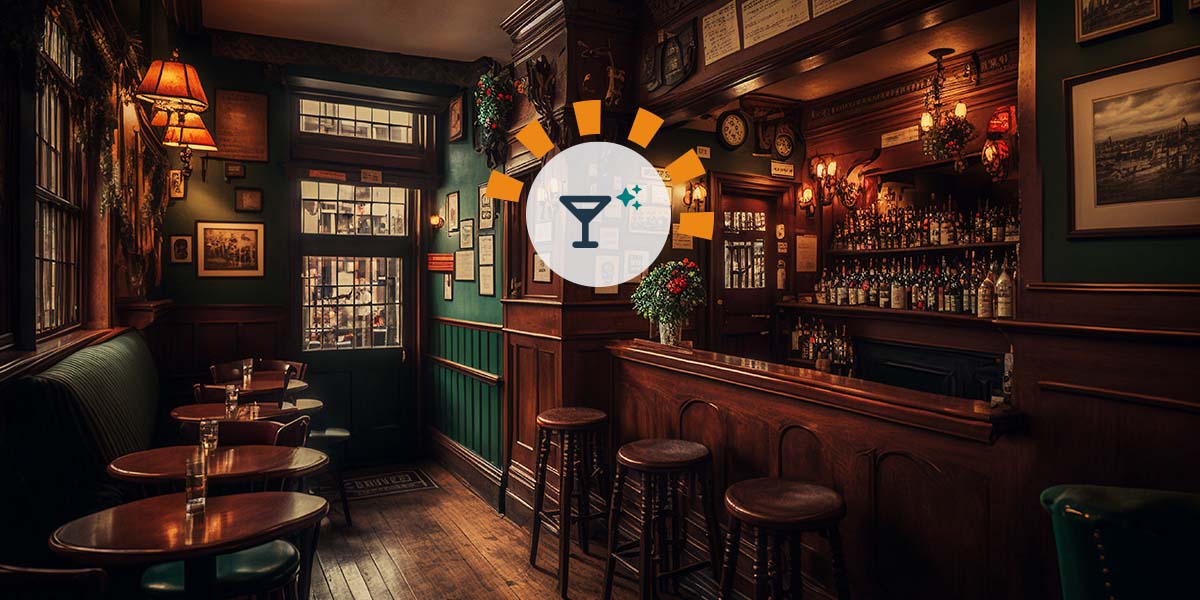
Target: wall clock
[
  {"x": 732, "y": 129},
  {"x": 785, "y": 144}
]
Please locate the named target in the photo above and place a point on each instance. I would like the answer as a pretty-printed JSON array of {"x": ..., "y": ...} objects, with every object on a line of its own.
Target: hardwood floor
[{"x": 444, "y": 543}]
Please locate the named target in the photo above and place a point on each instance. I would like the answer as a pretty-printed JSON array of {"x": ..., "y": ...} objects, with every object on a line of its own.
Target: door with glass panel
[
  {"x": 745, "y": 275},
  {"x": 355, "y": 288}
]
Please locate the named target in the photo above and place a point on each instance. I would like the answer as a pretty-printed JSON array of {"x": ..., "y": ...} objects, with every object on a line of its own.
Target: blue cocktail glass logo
[{"x": 585, "y": 208}]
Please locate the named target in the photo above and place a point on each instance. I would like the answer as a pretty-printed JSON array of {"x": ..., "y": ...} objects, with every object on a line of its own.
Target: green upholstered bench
[
  {"x": 62, "y": 427},
  {"x": 1125, "y": 543}
]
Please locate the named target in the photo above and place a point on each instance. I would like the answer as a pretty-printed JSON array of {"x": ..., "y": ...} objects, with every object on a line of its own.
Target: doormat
[{"x": 387, "y": 482}]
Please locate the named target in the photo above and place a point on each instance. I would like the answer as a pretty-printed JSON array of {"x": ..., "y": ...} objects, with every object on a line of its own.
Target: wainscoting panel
[{"x": 462, "y": 370}]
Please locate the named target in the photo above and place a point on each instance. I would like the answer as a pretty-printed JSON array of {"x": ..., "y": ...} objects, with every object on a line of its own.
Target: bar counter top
[{"x": 961, "y": 417}]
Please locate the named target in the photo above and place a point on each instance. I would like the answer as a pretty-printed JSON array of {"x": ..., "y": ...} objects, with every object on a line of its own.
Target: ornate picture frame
[{"x": 1098, "y": 19}]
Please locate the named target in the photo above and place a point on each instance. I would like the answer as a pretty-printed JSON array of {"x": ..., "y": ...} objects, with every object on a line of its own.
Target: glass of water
[
  {"x": 195, "y": 482},
  {"x": 231, "y": 401},
  {"x": 208, "y": 435},
  {"x": 247, "y": 371}
]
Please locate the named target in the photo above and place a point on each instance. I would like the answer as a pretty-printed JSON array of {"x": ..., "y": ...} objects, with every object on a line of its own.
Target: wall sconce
[
  {"x": 436, "y": 221},
  {"x": 944, "y": 134},
  {"x": 695, "y": 195},
  {"x": 806, "y": 202},
  {"x": 824, "y": 170}
]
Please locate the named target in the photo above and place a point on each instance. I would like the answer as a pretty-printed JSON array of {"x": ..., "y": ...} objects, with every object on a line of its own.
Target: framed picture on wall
[
  {"x": 541, "y": 271},
  {"x": 248, "y": 199},
  {"x": 1132, "y": 144},
  {"x": 487, "y": 281},
  {"x": 234, "y": 170},
  {"x": 487, "y": 209},
  {"x": 176, "y": 184},
  {"x": 451, "y": 212},
  {"x": 240, "y": 126},
  {"x": 181, "y": 249},
  {"x": 454, "y": 116},
  {"x": 1095, "y": 19},
  {"x": 229, "y": 249},
  {"x": 447, "y": 287},
  {"x": 466, "y": 234}
]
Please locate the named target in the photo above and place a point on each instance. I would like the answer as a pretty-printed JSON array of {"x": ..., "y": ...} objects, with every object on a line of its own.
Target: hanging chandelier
[{"x": 944, "y": 134}]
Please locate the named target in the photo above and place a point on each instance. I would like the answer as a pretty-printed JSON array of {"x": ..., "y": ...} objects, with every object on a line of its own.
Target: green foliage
[
  {"x": 493, "y": 109},
  {"x": 948, "y": 136},
  {"x": 670, "y": 292}
]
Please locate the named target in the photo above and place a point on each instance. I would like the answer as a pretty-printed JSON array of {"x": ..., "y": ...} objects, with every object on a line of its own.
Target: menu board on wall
[
  {"x": 821, "y": 7},
  {"x": 765, "y": 19},
  {"x": 720, "y": 33},
  {"x": 241, "y": 126},
  {"x": 806, "y": 253}
]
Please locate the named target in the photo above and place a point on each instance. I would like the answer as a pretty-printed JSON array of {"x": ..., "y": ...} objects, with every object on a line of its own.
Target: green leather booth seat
[
  {"x": 61, "y": 428},
  {"x": 256, "y": 570},
  {"x": 1125, "y": 543}
]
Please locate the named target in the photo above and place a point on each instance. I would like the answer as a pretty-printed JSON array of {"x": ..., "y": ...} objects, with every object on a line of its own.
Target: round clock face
[
  {"x": 732, "y": 129},
  {"x": 784, "y": 146}
]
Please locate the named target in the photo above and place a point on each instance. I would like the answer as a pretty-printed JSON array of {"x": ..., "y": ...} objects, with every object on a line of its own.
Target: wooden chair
[
  {"x": 208, "y": 393},
  {"x": 237, "y": 433},
  {"x": 293, "y": 434},
  {"x": 23, "y": 583},
  {"x": 295, "y": 368},
  {"x": 227, "y": 371}
]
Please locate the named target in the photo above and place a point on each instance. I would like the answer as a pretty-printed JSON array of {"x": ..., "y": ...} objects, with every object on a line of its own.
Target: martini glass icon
[{"x": 585, "y": 208}]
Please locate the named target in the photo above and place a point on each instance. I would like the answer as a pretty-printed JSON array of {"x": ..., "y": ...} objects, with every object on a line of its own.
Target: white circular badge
[{"x": 598, "y": 214}]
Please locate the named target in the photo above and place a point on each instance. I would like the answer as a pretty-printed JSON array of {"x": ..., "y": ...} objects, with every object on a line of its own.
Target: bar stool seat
[
  {"x": 571, "y": 418},
  {"x": 781, "y": 505},
  {"x": 660, "y": 454}
]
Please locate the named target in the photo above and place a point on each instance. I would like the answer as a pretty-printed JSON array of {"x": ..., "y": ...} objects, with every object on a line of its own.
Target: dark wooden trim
[
  {"x": 484, "y": 376},
  {"x": 14, "y": 364},
  {"x": 1119, "y": 396},
  {"x": 481, "y": 476},
  {"x": 1172, "y": 289},
  {"x": 481, "y": 326},
  {"x": 544, "y": 336}
]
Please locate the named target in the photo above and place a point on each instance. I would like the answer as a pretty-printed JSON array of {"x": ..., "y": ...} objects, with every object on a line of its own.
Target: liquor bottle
[
  {"x": 843, "y": 292},
  {"x": 1012, "y": 228},
  {"x": 998, "y": 225},
  {"x": 873, "y": 286},
  {"x": 884, "y": 285},
  {"x": 935, "y": 224},
  {"x": 1004, "y": 293},
  {"x": 948, "y": 225},
  {"x": 898, "y": 296},
  {"x": 986, "y": 297}
]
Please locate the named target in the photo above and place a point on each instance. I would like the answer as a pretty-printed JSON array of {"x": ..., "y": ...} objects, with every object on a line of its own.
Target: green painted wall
[{"x": 1146, "y": 260}]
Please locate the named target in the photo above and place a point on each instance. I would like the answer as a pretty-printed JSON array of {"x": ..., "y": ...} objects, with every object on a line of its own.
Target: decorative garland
[
  {"x": 947, "y": 138},
  {"x": 493, "y": 109}
]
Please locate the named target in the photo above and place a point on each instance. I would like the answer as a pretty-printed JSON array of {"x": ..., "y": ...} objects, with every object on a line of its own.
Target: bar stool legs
[{"x": 539, "y": 491}]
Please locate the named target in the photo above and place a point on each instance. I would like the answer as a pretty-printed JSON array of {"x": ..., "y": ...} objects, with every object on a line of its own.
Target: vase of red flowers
[{"x": 668, "y": 294}]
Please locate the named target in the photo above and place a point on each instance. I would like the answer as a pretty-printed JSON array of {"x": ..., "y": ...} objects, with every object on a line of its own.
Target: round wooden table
[
  {"x": 268, "y": 381},
  {"x": 232, "y": 463},
  {"x": 205, "y": 411},
  {"x": 157, "y": 530}
]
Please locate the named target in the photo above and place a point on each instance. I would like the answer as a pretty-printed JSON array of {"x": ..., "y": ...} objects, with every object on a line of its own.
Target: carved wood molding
[
  {"x": 468, "y": 324},
  {"x": 1159, "y": 402},
  {"x": 279, "y": 51}
]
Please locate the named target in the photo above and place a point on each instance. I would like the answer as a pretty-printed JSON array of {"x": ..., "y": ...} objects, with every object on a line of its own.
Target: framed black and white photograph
[
  {"x": 487, "y": 250},
  {"x": 464, "y": 265},
  {"x": 1095, "y": 19},
  {"x": 451, "y": 212},
  {"x": 234, "y": 170},
  {"x": 487, "y": 209},
  {"x": 447, "y": 287},
  {"x": 466, "y": 234},
  {"x": 176, "y": 184},
  {"x": 248, "y": 199},
  {"x": 1134, "y": 147},
  {"x": 487, "y": 281},
  {"x": 181, "y": 249},
  {"x": 229, "y": 249}
]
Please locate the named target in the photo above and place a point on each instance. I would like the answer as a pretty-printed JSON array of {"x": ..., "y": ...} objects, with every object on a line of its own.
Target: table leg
[{"x": 200, "y": 578}]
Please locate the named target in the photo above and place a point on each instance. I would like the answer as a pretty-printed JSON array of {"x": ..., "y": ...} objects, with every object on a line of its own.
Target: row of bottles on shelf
[
  {"x": 978, "y": 287},
  {"x": 934, "y": 225},
  {"x": 831, "y": 350}
]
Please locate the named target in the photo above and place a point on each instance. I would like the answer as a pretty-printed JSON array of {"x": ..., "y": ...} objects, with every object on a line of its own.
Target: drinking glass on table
[
  {"x": 247, "y": 371},
  {"x": 231, "y": 401},
  {"x": 208, "y": 435},
  {"x": 195, "y": 482}
]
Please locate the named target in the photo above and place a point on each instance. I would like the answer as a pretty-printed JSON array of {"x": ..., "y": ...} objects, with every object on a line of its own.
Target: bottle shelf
[
  {"x": 889, "y": 313},
  {"x": 920, "y": 250}
]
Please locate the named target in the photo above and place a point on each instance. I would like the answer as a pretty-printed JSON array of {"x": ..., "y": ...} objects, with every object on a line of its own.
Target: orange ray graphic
[
  {"x": 587, "y": 116},
  {"x": 504, "y": 187},
  {"x": 696, "y": 224},
  {"x": 535, "y": 138},
  {"x": 687, "y": 166},
  {"x": 645, "y": 125}
]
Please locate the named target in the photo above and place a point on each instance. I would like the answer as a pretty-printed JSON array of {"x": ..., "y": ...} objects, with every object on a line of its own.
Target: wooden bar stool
[
  {"x": 661, "y": 463},
  {"x": 577, "y": 429},
  {"x": 780, "y": 511}
]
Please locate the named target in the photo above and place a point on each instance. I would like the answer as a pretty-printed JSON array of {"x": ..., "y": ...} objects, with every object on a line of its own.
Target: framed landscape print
[
  {"x": 181, "y": 249},
  {"x": 451, "y": 212},
  {"x": 248, "y": 199},
  {"x": 1134, "y": 146},
  {"x": 454, "y": 115},
  {"x": 1095, "y": 19},
  {"x": 229, "y": 249},
  {"x": 487, "y": 209}
]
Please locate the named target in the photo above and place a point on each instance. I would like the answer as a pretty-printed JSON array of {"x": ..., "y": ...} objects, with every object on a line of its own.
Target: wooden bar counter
[{"x": 923, "y": 475}]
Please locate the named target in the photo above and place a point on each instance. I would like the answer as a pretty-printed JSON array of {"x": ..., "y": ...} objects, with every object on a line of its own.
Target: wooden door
[{"x": 744, "y": 271}]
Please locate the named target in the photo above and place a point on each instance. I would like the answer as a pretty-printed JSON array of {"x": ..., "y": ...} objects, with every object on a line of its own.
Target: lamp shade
[
  {"x": 159, "y": 118},
  {"x": 186, "y": 129},
  {"x": 173, "y": 83}
]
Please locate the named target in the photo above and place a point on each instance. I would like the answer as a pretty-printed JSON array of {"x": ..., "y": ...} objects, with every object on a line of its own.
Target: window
[
  {"x": 356, "y": 121},
  {"x": 57, "y": 246},
  {"x": 351, "y": 302},
  {"x": 344, "y": 209}
]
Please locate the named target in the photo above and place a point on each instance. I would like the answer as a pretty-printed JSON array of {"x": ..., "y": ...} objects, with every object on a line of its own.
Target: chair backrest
[
  {"x": 293, "y": 434},
  {"x": 227, "y": 371},
  {"x": 208, "y": 393},
  {"x": 235, "y": 433},
  {"x": 1123, "y": 542},
  {"x": 295, "y": 368},
  {"x": 23, "y": 583}
]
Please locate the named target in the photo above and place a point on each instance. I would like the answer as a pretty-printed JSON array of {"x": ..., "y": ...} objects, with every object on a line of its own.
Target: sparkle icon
[{"x": 625, "y": 196}]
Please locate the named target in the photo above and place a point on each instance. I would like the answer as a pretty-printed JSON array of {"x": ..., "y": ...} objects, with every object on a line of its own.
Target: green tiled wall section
[{"x": 464, "y": 408}]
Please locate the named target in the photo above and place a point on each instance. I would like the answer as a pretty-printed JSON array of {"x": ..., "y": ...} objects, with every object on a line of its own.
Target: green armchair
[{"x": 1125, "y": 543}]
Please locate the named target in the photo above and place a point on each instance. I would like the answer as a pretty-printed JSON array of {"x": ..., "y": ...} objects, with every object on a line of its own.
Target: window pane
[
  {"x": 341, "y": 308},
  {"x": 356, "y": 121},
  {"x": 346, "y": 209}
]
